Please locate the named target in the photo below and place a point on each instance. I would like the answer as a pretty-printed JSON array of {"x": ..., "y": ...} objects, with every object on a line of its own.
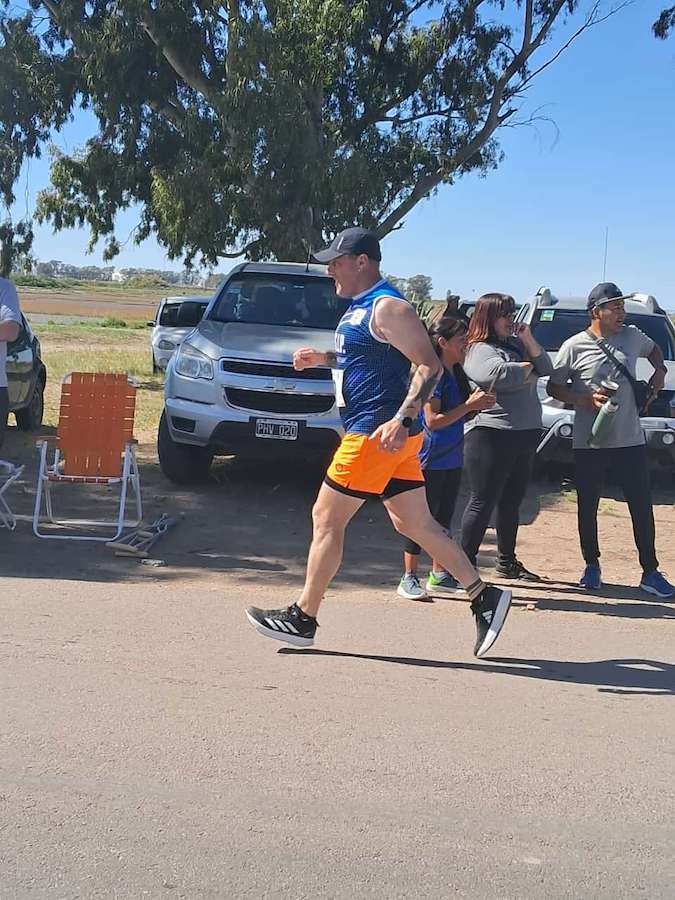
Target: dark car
[{"x": 26, "y": 379}]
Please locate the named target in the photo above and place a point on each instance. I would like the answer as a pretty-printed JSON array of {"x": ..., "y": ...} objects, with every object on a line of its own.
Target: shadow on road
[
  {"x": 641, "y": 607},
  {"x": 615, "y": 676}
]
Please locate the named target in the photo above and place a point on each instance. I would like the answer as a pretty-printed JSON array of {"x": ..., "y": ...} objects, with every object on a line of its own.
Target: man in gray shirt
[
  {"x": 10, "y": 325},
  {"x": 581, "y": 368}
]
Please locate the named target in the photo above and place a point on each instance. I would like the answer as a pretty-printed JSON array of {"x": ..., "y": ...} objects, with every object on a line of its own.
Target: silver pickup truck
[{"x": 231, "y": 388}]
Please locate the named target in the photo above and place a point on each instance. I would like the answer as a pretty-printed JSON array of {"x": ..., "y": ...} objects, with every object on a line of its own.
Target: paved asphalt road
[{"x": 151, "y": 745}]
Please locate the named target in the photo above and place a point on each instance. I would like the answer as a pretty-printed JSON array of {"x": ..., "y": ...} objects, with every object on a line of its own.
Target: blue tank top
[
  {"x": 444, "y": 448},
  {"x": 372, "y": 377}
]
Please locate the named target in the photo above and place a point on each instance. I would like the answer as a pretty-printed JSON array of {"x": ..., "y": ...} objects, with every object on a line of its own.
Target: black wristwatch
[{"x": 406, "y": 421}]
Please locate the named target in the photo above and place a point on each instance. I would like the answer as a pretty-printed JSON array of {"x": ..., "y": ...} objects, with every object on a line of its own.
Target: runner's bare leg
[
  {"x": 331, "y": 514},
  {"x": 410, "y": 515}
]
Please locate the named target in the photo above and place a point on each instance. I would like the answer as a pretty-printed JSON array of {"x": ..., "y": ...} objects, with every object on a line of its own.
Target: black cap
[
  {"x": 354, "y": 241},
  {"x": 603, "y": 293}
]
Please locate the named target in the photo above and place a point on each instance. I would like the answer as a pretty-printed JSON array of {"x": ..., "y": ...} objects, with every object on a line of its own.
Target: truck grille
[
  {"x": 269, "y": 401},
  {"x": 273, "y": 370}
]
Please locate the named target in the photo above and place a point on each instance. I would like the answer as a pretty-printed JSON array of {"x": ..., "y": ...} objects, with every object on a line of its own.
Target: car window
[
  {"x": 280, "y": 300},
  {"x": 551, "y": 327},
  {"x": 169, "y": 314}
]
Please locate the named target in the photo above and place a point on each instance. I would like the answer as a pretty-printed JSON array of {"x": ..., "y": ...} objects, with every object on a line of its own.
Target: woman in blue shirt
[{"x": 442, "y": 453}]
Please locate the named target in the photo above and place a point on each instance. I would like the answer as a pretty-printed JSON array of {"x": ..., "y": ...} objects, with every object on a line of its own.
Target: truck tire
[
  {"x": 181, "y": 463},
  {"x": 30, "y": 417}
]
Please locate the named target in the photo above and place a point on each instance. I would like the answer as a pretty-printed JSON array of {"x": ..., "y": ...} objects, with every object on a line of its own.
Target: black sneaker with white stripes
[
  {"x": 490, "y": 610},
  {"x": 290, "y": 625},
  {"x": 514, "y": 569}
]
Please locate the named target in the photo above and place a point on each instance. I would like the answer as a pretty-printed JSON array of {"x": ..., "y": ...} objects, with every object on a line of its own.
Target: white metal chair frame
[
  {"x": 130, "y": 476},
  {"x": 8, "y": 475}
]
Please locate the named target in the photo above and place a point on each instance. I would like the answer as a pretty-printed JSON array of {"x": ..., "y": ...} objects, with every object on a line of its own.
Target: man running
[{"x": 377, "y": 339}]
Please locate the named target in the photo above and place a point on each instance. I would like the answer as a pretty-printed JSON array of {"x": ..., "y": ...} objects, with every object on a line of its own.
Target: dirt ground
[{"x": 251, "y": 520}]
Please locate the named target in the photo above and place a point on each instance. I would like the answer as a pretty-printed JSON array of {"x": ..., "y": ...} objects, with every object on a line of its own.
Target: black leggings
[
  {"x": 499, "y": 465},
  {"x": 442, "y": 487}
]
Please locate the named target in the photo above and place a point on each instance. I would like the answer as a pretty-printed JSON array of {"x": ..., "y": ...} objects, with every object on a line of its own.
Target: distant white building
[{"x": 118, "y": 276}]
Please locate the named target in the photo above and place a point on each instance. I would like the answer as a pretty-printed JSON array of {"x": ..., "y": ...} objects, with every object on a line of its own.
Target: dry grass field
[
  {"x": 86, "y": 346},
  {"x": 92, "y": 348},
  {"x": 100, "y": 300}
]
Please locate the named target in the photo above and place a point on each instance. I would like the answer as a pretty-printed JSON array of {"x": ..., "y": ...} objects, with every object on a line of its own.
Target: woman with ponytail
[{"x": 442, "y": 452}]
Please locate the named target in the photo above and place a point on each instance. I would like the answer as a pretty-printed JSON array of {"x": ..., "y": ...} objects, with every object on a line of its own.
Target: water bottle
[{"x": 604, "y": 421}]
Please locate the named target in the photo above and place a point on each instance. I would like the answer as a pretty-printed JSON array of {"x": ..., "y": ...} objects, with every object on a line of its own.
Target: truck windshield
[
  {"x": 280, "y": 300},
  {"x": 551, "y": 327}
]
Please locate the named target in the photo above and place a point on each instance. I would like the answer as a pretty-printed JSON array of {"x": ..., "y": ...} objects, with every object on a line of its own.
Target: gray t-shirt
[
  {"x": 581, "y": 361},
  {"x": 517, "y": 407},
  {"x": 9, "y": 312}
]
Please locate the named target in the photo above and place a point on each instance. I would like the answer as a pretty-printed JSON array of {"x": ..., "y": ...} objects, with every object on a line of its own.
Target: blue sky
[{"x": 541, "y": 217}]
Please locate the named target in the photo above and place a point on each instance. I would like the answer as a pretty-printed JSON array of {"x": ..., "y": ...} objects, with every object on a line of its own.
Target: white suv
[
  {"x": 231, "y": 388},
  {"x": 166, "y": 331}
]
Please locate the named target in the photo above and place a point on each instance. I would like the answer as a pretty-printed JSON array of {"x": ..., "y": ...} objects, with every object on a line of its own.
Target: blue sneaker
[
  {"x": 592, "y": 577},
  {"x": 410, "y": 588},
  {"x": 656, "y": 583}
]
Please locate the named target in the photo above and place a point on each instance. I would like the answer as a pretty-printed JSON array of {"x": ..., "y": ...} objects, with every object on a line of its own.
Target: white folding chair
[{"x": 8, "y": 475}]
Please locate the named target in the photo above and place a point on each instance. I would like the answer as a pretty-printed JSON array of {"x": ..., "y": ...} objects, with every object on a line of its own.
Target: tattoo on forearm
[{"x": 421, "y": 388}]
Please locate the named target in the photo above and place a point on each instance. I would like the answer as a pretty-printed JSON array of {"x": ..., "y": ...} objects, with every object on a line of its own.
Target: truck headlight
[
  {"x": 192, "y": 363},
  {"x": 165, "y": 345}
]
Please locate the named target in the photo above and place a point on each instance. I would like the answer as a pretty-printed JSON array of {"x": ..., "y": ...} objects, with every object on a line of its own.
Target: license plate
[{"x": 277, "y": 429}]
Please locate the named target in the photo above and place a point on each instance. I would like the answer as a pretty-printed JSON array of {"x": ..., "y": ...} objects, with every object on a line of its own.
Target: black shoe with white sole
[
  {"x": 490, "y": 610},
  {"x": 515, "y": 570},
  {"x": 290, "y": 625}
]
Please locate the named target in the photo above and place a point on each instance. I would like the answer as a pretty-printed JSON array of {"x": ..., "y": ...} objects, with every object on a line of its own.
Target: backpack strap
[{"x": 608, "y": 353}]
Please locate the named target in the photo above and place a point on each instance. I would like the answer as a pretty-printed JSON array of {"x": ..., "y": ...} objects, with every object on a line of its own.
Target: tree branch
[
  {"x": 493, "y": 121},
  {"x": 591, "y": 20},
  {"x": 373, "y": 116},
  {"x": 233, "y": 30},
  {"x": 233, "y": 255},
  {"x": 446, "y": 113},
  {"x": 185, "y": 70},
  {"x": 172, "y": 113},
  {"x": 527, "y": 29}
]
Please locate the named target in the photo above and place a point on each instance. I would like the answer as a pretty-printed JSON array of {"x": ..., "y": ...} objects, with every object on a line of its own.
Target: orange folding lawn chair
[{"x": 94, "y": 445}]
